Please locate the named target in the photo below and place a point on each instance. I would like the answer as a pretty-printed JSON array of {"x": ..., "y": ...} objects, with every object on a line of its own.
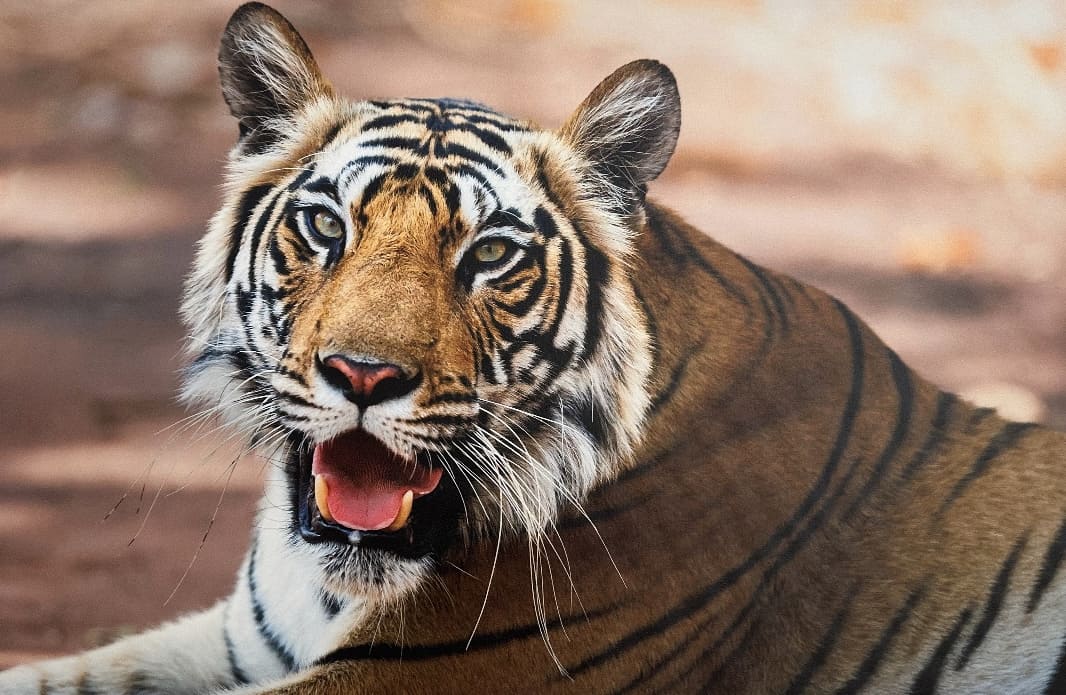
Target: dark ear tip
[
  {"x": 653, "y": 69},
  {"x": 251, "y": 14},
  {"x": 248, "y": 9},
  {"x": 650, "y": 65}
]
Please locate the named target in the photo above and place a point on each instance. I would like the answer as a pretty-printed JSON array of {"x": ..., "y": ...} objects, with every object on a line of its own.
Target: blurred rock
[
  {"x": 172, "y": 69},
  {"x": 940, "y": 251},
  {"x": 1012, "y": 401},
  {"x": 72, "y": 201},
  {"x": 99, "y": 111}
]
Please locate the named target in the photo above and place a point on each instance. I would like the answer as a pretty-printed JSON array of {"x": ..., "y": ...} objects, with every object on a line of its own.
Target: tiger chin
[{"x": 530, "y": 432}]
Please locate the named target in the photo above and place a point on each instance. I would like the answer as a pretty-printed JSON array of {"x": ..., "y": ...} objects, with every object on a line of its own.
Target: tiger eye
[
  {"x": 490, "y": 251},
  {"x": 327, "y": 225}
]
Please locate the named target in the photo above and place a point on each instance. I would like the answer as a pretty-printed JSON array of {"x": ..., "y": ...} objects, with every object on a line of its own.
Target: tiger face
[{"x": 422, "y": 306}]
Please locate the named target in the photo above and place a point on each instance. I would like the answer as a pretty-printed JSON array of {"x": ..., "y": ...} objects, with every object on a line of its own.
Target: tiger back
[{"x": 535, "y": 433}]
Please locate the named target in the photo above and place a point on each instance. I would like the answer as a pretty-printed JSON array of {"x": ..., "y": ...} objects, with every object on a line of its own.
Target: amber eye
[
  {"x": 327, "y": 225},
  {"x": 491, "y": 251}
]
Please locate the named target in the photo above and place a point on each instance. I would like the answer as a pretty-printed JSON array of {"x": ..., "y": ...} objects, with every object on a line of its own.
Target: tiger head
[{"x": 422, "y": 307}]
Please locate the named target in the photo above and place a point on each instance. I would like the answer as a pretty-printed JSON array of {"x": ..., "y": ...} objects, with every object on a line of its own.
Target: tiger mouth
[{"x": 353, "y": 491}]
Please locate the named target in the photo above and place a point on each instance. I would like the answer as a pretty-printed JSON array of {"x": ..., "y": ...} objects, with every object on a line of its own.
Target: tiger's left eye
[
  {"x": 491, "y": 251},
  {"x": 327, "y": 225}
]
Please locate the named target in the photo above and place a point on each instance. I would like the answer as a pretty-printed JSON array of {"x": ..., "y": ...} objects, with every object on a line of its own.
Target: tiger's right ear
[
  {"x": 267, "y": 72},
  {"x": 628, "y": 127}
]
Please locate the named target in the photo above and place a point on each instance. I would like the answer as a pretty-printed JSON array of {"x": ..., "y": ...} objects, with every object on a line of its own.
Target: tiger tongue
[{"x": 366, "y": 482}]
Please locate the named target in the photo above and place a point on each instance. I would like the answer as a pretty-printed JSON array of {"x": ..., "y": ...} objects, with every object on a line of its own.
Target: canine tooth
[
  {"x": 405, "y": 512},
  {"x": 321, "y": 497}
]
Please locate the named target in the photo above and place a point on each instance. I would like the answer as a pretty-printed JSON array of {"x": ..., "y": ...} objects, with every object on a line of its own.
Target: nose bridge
[{"x": 385, "y": 307}]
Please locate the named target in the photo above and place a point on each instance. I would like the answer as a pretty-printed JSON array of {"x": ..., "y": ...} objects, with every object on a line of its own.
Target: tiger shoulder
[{"x": 535, "y": 433}]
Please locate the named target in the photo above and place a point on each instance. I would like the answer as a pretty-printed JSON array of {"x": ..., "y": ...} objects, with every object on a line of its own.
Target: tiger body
[{"x": 666, "y": 469}]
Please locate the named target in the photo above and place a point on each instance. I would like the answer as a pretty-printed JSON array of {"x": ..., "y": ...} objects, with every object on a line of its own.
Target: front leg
[
  {"x": 186, "y": 656},
  {"x": 278, "y": 620},
  {"x": 329, "y": 679}
]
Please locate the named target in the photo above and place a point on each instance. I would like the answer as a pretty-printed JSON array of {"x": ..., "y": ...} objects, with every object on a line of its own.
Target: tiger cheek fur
[{"x": 532, "y": 432}]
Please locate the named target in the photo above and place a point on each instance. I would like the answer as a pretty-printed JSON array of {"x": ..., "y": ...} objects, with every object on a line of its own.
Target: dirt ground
[{"x": 946, "y": 232}]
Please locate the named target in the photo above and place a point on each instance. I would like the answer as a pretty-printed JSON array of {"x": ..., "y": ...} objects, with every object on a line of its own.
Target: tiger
[{"x": 532, "y": 432}]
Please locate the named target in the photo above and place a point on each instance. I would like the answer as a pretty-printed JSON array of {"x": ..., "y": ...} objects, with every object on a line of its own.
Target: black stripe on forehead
[
  {"x": 506, "y": 217},
  {"x": 326, "y": 186},
  {"x": 443, "y": 116}
]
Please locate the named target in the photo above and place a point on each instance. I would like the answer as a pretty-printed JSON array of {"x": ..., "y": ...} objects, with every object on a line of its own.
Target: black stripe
[
  {"x": 564, "y": 279},
  {"x": 677, "y": 375},
  {"x": 1004, "y": 440},
  {"x": 332, "y": 134},
  {"x": 767, "y": 312},
  {"x": 261, "y": 624},
  {"x": 978, "y": 416},
  {"x": 1057, "y": 684},
  {"x": 901, "y": 376},
  {"x": 688, "y": 253},
  {"x": 742, "y": 647},
  {"x": 248, "y": 203},
  {"x": 1050, "y": 566},
  {"x": 597, "y": 272},
  {"x": 454, "y": 149},
  {"x": 490, "y": 139},
  {"x": 462, "y": 168},
  {"x": 323, "y": 185},
  {"x": 383, "y": 651},
  {"x": 371, "y": 190},
  {"x": 239, "y": 676},
  {"x": 821, "y": 653},
  {"x": 925, "y": 683},
  {"x": 395, "y": 142},
  {"x": 431, "y": 200},
  {"x": 869, "y": 665},
  {"x": 389, "y": 120},
  {"x": 330, "y": 603},
  {"x": 500, "y": 123},
  {"x": 598, "y": 515},
  {"x": 945, "y": 402},
  {"x": 767, "y": 287},
  {"x": 281, "y": 263},
  {"x": 993, "y": 605},
  {"x": 85, "y": 686},
  {"x": 450, "y": 397},
  {"x": 257, "y": 235},
  {"x": 141, "y": 683},
  {"x": 595, "y": 426}
]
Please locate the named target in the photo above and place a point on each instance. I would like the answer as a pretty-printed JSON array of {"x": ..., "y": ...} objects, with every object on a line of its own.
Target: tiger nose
[{"x": 366, "y": 382}]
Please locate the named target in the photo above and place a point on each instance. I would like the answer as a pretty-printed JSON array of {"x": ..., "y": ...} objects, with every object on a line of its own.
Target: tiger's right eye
[{"x": 326, "y": 225}]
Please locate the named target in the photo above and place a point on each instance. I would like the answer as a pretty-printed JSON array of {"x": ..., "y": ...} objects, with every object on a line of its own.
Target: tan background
[{"x": 909, "y": 156}]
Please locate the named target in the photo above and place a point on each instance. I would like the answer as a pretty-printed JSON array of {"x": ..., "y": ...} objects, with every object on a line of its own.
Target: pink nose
[{"x": 366, "y": 383}]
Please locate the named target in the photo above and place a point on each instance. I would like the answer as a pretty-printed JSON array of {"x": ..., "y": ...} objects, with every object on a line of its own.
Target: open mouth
[{"x": 353, "y": 490}]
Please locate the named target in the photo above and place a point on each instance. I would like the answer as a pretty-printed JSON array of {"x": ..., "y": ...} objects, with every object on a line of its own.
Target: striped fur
[{"x": 670, "y": 470}]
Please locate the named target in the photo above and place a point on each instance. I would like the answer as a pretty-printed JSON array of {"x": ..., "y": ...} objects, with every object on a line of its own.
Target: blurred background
[{"x": 907, "y": 155}]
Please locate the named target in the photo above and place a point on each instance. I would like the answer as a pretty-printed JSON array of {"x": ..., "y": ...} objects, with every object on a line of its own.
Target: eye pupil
[
  {"x": 327, "y": 225},
  {"x": 490, "y": 251}
]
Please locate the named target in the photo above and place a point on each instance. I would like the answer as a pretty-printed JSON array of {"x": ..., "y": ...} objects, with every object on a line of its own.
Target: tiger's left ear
[
  {"x": 267, "y": 71},
  {"x": 628, "y": 126}
]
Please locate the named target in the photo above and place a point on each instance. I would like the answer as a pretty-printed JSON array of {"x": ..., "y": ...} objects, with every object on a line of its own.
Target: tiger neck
[{"x": 772, "y": 410}]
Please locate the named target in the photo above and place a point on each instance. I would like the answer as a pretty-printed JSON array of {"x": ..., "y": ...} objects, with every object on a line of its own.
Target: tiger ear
[
  {"x": 628, "y": 126},
  {"x": 266, "y": 70}
]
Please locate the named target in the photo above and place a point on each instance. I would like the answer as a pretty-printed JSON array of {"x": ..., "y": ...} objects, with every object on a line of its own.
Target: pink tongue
[{"x": 367, "y": 481}]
